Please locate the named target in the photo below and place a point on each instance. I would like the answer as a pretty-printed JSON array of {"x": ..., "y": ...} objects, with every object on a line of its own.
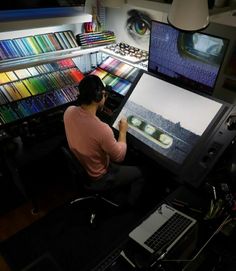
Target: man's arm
[
  {"x": 123, "y": 127},
  {"x": 116, "y": 149}
]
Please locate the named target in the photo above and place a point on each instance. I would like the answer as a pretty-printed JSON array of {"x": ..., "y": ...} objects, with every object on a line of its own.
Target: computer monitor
[
  {"x": 190, "y": 59},
  {"x": 181, "y": 130}
]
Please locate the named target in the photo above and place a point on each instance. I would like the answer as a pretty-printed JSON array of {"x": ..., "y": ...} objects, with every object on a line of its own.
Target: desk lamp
[{"x": 189, "y": 15}]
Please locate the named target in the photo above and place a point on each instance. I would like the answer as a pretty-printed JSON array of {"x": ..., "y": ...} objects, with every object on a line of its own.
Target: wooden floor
[{"x": 22, "y": 216}]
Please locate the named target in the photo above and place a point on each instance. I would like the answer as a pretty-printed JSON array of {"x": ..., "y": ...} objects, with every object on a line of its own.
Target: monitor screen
[
  {"x": 190, "y": 59},
  {"x": 168, "y": 122}
]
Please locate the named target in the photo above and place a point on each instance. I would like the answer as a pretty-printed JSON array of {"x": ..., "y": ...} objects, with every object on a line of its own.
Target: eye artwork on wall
[
  {"x": 138, "y": 25},
  {"x": 132, "y": 24}
]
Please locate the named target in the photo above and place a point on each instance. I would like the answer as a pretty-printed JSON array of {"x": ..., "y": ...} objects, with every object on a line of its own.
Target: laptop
[{"x": 162, "y": 229}]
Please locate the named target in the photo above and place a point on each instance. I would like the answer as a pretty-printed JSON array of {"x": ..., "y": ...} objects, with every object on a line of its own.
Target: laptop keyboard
[
  {"x": 168, "y": 232},
  {"x": 108, "y": 261}
]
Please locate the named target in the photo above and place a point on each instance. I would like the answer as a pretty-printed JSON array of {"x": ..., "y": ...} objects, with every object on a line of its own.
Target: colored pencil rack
[
  {"x": 117, "y": 74},
  {"x": 30, "y": 91},
  {"x": 36, "y": 45}
]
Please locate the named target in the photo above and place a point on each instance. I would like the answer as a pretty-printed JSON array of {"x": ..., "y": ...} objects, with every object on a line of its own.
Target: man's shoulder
[
  {"x": 105, "y": 128},
  {"x": 71, "y": 108}
]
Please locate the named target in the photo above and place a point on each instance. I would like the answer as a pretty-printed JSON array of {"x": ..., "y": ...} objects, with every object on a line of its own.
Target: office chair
[{"x": 81, "y": 176}]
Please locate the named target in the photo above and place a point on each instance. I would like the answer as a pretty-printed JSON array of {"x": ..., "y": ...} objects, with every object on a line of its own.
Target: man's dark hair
[{"x": 90, "y": 89}]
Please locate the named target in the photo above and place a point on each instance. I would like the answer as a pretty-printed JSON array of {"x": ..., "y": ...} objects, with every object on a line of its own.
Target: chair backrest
[
  {"x": 82, "y": 178},
  {"x": 74, "y": 165}
]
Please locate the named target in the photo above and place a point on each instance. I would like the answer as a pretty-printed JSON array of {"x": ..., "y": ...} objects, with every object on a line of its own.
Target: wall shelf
[
  {"x": 81, "y": 17},
  {"x": 29, "y": 61}
]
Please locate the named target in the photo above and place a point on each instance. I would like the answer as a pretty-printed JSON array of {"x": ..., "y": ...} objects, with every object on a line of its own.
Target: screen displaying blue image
[
  {"x": 170, "y": 120},
  {"x": 189, "y": 59}
]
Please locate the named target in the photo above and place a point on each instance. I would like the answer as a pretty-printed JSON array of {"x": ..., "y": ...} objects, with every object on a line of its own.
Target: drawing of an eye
[{"x": 138, "y": 25}]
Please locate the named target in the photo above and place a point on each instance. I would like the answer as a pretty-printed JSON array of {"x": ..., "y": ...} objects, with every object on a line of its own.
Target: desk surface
[{"x": 196, "y": 205}]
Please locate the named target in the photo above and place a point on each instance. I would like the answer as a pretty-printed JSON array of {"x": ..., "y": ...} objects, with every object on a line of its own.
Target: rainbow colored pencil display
[
  {"x": 36, "y": 45},
  {"x": 117, "y": 74},
  {"x": 25, "y": 92}
]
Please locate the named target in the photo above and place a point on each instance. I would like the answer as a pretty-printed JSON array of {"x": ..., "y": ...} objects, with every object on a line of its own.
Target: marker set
[
  {"x": 38, "y": 44},
  {"x": 117, "y": 74},
  {"x": 126, "y": 52},
  {"x": 20, "y": 89},
  {"x": 92, "y": 39}
]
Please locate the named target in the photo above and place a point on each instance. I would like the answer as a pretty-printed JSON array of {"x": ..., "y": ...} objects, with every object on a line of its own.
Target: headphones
[
  {"x": 91, "y": 89},
  {"x": 98, "y": 96}
]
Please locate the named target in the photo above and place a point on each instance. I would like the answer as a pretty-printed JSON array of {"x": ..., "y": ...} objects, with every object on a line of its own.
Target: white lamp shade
[{"x": 189, "y": 15}]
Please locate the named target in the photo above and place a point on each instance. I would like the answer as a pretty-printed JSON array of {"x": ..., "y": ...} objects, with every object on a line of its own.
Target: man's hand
[{"x": 123, "y": 125}]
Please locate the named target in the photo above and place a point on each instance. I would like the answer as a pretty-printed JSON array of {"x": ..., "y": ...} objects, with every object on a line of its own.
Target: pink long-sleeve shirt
[{"x": 92, "y": 141}]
